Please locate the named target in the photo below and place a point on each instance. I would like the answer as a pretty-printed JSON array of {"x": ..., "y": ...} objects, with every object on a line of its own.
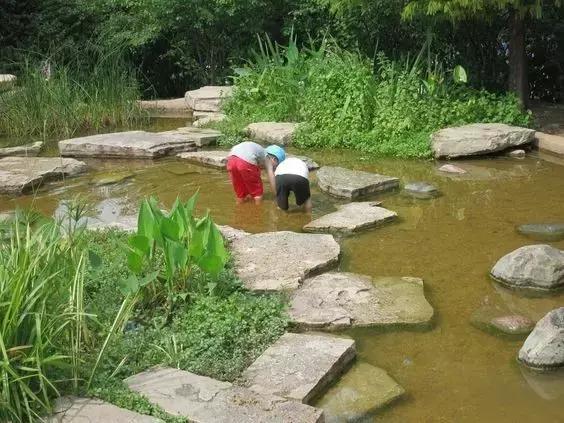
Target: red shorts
[{"x": 245, "y": 177}]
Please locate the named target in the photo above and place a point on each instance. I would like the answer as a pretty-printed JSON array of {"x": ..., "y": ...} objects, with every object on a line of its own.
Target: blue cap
[{"x": 277, "y": 152}]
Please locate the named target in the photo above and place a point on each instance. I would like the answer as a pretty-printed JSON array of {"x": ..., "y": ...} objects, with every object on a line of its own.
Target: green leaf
[
  {"x": 146, "y": 220},
  {"x": 95, "y": 259},
  {"x": 170, "y": 229},
  {"x": 129, "y": 285},
  {"x": 135, "y": 261},
  {"x": 140, "y": 243},
  {"x": 459, "y": 75},
  {"x": 147, "y": 279}
]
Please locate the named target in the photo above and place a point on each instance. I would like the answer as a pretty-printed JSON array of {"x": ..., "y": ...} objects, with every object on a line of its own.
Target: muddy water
[{"x": 451, "y": 372}]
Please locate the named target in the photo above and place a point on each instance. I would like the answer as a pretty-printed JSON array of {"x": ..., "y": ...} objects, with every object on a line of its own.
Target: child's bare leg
[
  {"x": 258, "y": 200},
  {"x": 308, "y": 205}
]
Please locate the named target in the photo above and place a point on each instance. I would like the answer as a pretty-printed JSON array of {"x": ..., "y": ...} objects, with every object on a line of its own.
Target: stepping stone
[
  {"x": 280, "y": 133},
  {"x": 198, "y": 136},
  {"x": 495, "y": 319},
  {"x": 346, "y": 183},
  {"x": 450, "y": 168},
  {"x": 92, "y": 410},
  {"x": 539, "y": 267},
  {"x": 28, "y": 150},
  {"x": 204, "y": 400},
  {"x": 208, "y": 98},
  {"x": 218, "y": 158},
  {"x": 20, "y": 174},
  {"x": 338, "y": 300},
  {"x": 300, "y": 366},
  {"x": 543, "y": 231},
  {"x": 276, "y": 261},
  {"x": 168, "y": 107},
  {"x": 421, "y": 190},
  {"x": 352, "y": 217},
  {"x": 134, "y": 144},
  {"x": 549, "y": 143},
  {"x": 231, "y": 234},
  {"x": 7, "y": 78},
  {"x": 209, "y": 118},
  {"x": 544, "y": 348},
  {"x": 360, "y": 392},
  {"x": 478, "y": 138},
  {"x": 111, "y": 178}
]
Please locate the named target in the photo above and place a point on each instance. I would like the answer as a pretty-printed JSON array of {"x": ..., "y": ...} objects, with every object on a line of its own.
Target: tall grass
[{"x": 88, "y": 93}]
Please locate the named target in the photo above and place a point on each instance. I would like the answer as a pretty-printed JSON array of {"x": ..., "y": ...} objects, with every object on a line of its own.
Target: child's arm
[{"x": 270, "y": 174}]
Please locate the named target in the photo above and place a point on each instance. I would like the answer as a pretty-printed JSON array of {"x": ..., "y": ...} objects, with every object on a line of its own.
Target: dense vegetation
[{"x": 78, "y": 315}]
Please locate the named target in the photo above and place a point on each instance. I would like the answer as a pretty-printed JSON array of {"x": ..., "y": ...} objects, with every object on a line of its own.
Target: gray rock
[
  {"x": 496, "y": 319},
  {"x": 533, "y": 266},
  {"x": 346, "y": 183},
  {"x": 276, "y": 261},
  {"x": 137, "y": 144},
  {"x": 352, "y": 217},
  {"x": 360, "y": 392},
  {"x": 208, "y": 98},
  {"x": 126, "y": 223},
  {"x": 543, "y": 231},
  {"x": 337, "y": 300},
  {"x": 200, "y": 137},
  {"x": 201, "y": 399},
  {"x": 478, "y": 138},
  {"x": 231, "y": 234},
  {"x": 28, "y": 150},
  {"x": 280, "y": 133},
  {"x": 208, "y": 119},
  {"x": 92, "y": 410},
  {"x": 20, "y": 174},
  {"x": 450, "y": 168},
  {"x": 553, "y": 144},
  {"x": 517, "y": 154},
  {"x": 7, "y": 78},
  {"x": 544, "y": 348},
  {"x": 513, "y": 324},
  {"x": 175, "y": 107},
  {"x": 421, "y": 190},
  {"x": 299, "y": 366}
]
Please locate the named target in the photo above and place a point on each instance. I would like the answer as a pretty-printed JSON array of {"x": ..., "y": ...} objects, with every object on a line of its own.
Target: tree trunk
[{"x": 518, "y": 77}]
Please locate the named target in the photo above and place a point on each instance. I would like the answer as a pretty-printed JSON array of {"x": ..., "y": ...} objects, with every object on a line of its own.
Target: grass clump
[{"x": 344, "y": 100}]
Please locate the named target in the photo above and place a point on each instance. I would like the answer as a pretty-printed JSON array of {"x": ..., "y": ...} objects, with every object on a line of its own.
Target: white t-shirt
[{"x": 292, "y": 166}]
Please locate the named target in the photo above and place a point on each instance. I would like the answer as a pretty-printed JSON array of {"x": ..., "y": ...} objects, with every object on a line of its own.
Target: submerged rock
[
  {"x": 112, "y": 178},
  {"x": 276, "y": 261},
  {"x": 352, "y": 217},
  {"x": 338, "y": 300},
  {"x": 347, "y": 183},
  {"x": 478, "y": 138},
  {"x": 496, "y": 319},
  {"x": 208, "y": 98},
  {"x": 517, "y": 154},
  {"x": 360, "y": 392},
  {"x": 544, "y": 348},
  {"x": 533, "y": 266},
  {"x": 543, "y": 231},
  {"x": 421, "y": 190},
  {"x": 28, "y": 150},
  {"x": 280, "y": 133},
  {"x": 450, "y": 168}
]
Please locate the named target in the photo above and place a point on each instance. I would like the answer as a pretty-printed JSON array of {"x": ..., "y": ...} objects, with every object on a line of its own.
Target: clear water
[{"x": 452, "y": 372}]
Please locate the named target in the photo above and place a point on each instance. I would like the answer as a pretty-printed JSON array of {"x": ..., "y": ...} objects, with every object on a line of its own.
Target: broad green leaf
[
  {"x": 134, "y": 261},
  {"x": 129, "y": 285},
  {"x": 170, "y": 229},
  {"x": 147, "y": 279},
  {"x": 146, "y": 220},
  {"x": 459, "y": 75},
  {"x": 140, "y": 243}
]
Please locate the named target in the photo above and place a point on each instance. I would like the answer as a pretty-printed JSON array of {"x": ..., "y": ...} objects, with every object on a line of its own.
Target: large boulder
[
  {"x": 208, "y": 98},
  {"x": 280, "y": 133},
  {"x": 544, "y": 348},
  {"x": 549, "y": 143},
  {"x": 347, "y": 183},
  {"x": 478, "y": 138},
  {"x": 28, "y": 150},
  {"x": 533, "y": 266}
]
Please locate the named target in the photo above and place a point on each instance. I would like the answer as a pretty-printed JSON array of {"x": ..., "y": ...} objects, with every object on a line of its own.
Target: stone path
[
  {"x": 208, "y": 98},
  {"x": 478, "y": 138},
  {"x": 338, "y": 300},
  {"x": 280, "y": 133},
  {"x": 136, "y": 144},
  {"x": 218, "y": 158},
  {"x": 352, "y": 217},
  {"x": 28, "y": 150},
  {"x": 360, "y": 392},
  {"x": 92, "y": 410},
  {"x": 200, "y": 137},
  {"x": 20, "y": 174},
  {"x": 276, "y": 261},
  {"x": 205, "y": 400},
  {"x": 299, "y": 366},
  {"x": 346, "y": 183},
  {"x": 549, "y": 143}
]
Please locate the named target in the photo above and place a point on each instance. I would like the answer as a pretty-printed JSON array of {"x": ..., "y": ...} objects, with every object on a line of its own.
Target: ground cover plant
[{"x": 345, "y": 100}]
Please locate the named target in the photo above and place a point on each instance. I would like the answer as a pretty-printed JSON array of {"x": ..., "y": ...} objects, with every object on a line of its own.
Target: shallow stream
[{"x": 451, "y": 372}]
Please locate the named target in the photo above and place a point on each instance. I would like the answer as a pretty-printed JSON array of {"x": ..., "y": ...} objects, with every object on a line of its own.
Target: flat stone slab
[
  {"x": 20, "y": 174},
  {"x": 200, "y": 137},
  {"x": 166, "y": 107},
  {"x": 352, "y": 217},
  {"x": 299, "y": 366},
  {"x": 136, "y": 144},
  {"x": 92, "y": 410},
  {"x": 338, "y": 300},
  {"x": 7, "y": 78},
  {"x": 204, "y": 400},
  {"x": 544, "y": 348},
  {"x": 347, "y": 183},
  {"x": 543, "y": 231},
  {"x": 208, "y": 98},
  {"x": 538, "y": 267},
  {"x": 208, "y": 119},
  {"x": 360, "y": 392},
  {"x": 280, "y": 133},
  {"x": 218, "y": 158},
  {"x": 421, "y": 190},
  {"x": 28, "y": 150},
  {"x": 478, "y": 138},
  {"x": 277, "y": 261},
  {"x": 230, "y": 234},
  {"x": 549, "y": 143}
]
